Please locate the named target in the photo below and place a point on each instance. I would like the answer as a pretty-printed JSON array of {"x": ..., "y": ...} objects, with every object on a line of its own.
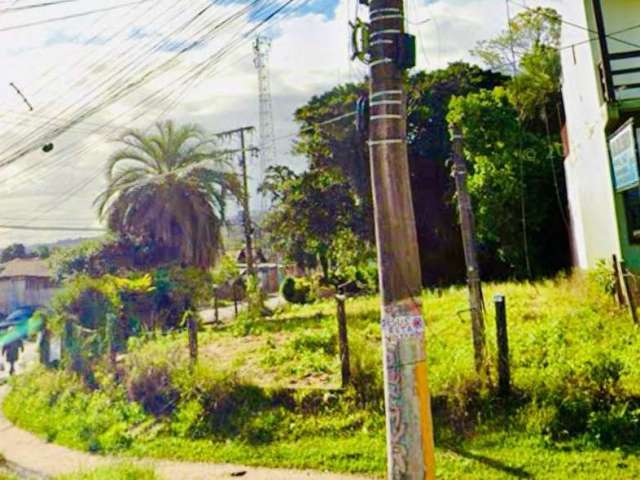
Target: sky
[{"x": 84, "y": 65}]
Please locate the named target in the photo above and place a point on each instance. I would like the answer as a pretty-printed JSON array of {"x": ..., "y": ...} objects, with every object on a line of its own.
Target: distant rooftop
[{"x": 25, "y": 267}]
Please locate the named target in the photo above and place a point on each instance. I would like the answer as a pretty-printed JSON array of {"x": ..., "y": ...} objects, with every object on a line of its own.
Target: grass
[
  {"x": 122, "y": 471},
  {"x": 264, "y": 393}
]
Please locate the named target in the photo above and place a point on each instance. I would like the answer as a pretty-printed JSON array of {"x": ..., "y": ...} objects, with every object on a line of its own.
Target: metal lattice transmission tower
[{"x": 261, "y": 48}]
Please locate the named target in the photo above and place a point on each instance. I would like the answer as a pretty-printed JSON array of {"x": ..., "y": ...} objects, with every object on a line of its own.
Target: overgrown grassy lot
[{"x": 265, "y": 391}]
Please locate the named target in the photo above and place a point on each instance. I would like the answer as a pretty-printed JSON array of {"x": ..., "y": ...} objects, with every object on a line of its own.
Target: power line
[
  {"x": 52, "y": 228},
  {"x": 117, "y": 91},
  {"x": 69, "y": 17},
  {"x": 192, "y": 78},
  {"x": 575, "y": 25},
  {"x": 36, "y": 5}
]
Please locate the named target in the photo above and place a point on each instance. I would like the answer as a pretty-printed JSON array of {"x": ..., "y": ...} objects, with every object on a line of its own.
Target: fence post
[
  {"x": 343, "y": 340},
  {"x": 192, "y": 327},
  {"x": 235, "y": 299},
  {"x": 215, "y": 304},
  {"x": 504, "y": 373},
  {"x": 630, "y": 294},
  {"x": 618, "y": 293},
  {"x": 44, "y": 349},
  {"x": 111, "y": 341},
  {"x": 70, "y": 349}
]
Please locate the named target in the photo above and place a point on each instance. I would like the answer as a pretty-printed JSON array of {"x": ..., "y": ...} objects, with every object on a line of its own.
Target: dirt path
[{"x": 35, "y": 458}]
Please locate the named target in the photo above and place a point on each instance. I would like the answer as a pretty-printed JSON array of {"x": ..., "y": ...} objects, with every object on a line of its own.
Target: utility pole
[
  {"x": 248, "y": 234},
  {"x": 246, "y": 214},
  {"x": 467, "y": 227},
  {"x": 410, "y": 450}
]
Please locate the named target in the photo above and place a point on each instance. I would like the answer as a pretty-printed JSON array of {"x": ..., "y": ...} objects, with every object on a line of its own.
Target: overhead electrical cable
[
  {"x": 36, "y": 5},
  {"x": 69, "y": 17},
  {"x": 198, "y": 72},
  {"x": 115, "y": 90}
]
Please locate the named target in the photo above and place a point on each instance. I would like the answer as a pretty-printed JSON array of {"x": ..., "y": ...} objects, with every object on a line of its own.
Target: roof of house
[{"x": 25, "y": 267}]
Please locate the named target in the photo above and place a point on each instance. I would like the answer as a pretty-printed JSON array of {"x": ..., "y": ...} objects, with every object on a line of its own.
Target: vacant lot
[{"x": 265, "y": 391}]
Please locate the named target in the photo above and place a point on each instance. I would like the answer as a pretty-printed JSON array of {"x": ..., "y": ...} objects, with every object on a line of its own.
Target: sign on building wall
[{"x": 624, "y": 158}]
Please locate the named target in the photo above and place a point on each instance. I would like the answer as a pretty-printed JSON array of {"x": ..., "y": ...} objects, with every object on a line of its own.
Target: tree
[
  {"x": 533, "y": 28},
  {"x": 340, "y": 145},
  {"x": 43, "y": 252},
  {"x": 167, "y": 190},
  {"x": 535, "y": 90},
  {"x": 310, "y": 211},
  {"x": 528, "y": 51},
  {"x": 510, "y": 165},
  {"x": 13, "y": 251}
]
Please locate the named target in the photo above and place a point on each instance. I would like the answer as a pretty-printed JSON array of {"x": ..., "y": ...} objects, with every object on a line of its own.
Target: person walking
[{"x": 11, "y": 352}]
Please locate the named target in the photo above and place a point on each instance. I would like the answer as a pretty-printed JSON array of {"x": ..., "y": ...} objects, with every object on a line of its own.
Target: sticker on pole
[{"x": 402, "y": 319}]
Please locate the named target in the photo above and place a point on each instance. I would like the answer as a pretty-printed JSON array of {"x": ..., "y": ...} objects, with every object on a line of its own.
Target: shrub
[
  {"x": 296, "y": 290},
  {"x": 217, "y": 403},
  {"x": 152, "y": 389},
  {"x": 602, "y": 277}
]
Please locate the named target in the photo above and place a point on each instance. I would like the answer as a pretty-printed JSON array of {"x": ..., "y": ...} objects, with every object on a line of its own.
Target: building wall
[
  {"x": 589, "y": 183},
  {"x": 17, "y": 292}
]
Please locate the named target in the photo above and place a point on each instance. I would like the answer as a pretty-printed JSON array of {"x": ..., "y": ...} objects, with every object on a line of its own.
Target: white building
[{"x": 601, "y": 90}]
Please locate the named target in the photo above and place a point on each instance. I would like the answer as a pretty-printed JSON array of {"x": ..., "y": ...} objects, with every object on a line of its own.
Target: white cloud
[{"x": 309, "y": 55}]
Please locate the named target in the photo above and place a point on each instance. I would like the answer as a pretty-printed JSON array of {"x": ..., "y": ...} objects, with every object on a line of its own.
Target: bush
[
  {"x": 296, "y": 290},
  {"x": 602, "y": 277},
  {"x": 152, "y": 389},
  {"x": 150, "y": 374}
]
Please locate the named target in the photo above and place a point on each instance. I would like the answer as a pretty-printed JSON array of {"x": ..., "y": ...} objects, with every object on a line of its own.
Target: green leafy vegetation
[
  {"x": 296, "y": 290},
  {"x": 267, "y": 393},
  {"x": 118, "y": 472}
]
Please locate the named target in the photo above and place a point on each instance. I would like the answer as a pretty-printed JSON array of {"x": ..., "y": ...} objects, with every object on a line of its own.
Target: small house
[{"x": 25, "y": 282}]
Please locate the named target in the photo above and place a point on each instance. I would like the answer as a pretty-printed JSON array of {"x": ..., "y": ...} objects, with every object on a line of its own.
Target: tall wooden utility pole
[
  {"x": 467, "y": 227},
  {"x": 248, "y": 229},
  {"x": 410, "y": 451},
  {"x": 247, "y": 224}
]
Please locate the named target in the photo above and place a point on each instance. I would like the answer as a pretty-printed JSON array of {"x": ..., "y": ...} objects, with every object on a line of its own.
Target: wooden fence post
[
  {"x": 630, "y": 293},
  {"x": 215, "y": 304},
  {"x": 343, "y": 340},
  {"x": 192, "y": 327},
  {"x": 44, "y": 349},
  {"x": 618, "y": 293},
  {"x": 111, "y": 341},
  {"x": 504, "y": 373},
  {"x": 235, "y": 299}
]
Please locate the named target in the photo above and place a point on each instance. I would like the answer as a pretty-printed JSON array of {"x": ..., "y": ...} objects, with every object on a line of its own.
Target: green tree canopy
[
  {"x": 310, "y": 212},
  {"x": 13, "y": 251},
  {"x": 532, "y": 28},
  {"x": 513, "y": 184},
  {"x": 339, "y": 144}
]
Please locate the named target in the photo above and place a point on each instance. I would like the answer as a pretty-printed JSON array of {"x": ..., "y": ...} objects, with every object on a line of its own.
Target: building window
[{"x": 632, "y": 209}]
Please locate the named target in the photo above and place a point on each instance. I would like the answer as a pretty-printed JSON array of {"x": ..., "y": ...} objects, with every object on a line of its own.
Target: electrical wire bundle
[{"x": 158, "y": 72}]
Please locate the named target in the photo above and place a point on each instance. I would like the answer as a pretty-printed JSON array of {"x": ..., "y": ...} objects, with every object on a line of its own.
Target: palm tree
[{"x": 167, "y": 189}]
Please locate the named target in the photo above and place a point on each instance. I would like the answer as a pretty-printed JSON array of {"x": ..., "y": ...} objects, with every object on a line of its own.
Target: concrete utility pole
[
  {"x": 468, "y": 229},
  {"x": 410, "y": 450}
]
